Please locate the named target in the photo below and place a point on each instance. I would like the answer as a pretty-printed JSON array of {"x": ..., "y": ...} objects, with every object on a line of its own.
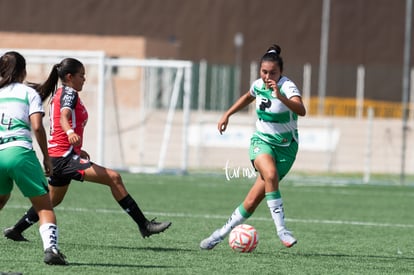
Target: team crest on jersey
[{"x": 256, "y": 150}]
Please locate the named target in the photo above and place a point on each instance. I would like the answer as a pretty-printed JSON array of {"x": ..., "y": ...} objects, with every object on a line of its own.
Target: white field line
[{"x": 224, "y": 218}]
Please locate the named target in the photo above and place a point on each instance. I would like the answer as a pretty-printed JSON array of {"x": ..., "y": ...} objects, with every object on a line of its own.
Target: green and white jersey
[
  {"x": 276, "y": 123},
  {"x": 17, "y": 103}
]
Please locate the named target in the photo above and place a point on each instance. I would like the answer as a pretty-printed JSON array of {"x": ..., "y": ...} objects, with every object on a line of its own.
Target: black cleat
[
  {"x": 12, "y": 234},
  {"x": 153, "y": 227},
  {"x": 54, "y": 257}
]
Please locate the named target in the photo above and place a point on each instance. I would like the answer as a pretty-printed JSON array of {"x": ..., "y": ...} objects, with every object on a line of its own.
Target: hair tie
[
  {"x": 272, "y": 51},
  {"x": 58, "y": 67}
]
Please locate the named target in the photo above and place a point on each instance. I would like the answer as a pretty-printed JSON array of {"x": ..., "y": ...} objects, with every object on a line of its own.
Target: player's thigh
[
  {"x": 259, "y": 147},
  {"x": 100, "y": 174}
]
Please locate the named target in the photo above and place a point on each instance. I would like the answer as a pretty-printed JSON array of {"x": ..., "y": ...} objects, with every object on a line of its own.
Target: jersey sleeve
[
  {"x": 256, "y": 83},
  {"x": 289, "y": 89},
  {"x": 68, "y": 99},
  {"x": 35, "y": 102}
]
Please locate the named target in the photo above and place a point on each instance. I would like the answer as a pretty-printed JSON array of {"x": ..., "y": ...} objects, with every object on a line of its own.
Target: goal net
[{"x": 138, "y": 109}]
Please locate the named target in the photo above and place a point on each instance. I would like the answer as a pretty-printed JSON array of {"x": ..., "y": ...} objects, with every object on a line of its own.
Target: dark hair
[
  {"x": 12, "y": 68},
  {"x": 273, "y": 55},
  {"x": 59, "y": 71}
]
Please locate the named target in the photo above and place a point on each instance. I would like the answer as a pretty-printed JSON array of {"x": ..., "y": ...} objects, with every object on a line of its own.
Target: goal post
[
  {"x": 39, "y": 63},
  {"x": 176, "y": 76},
  {"x": 139, "y": 109}
]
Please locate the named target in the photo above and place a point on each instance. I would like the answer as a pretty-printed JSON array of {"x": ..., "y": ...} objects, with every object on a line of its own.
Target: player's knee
[
  {"x": 116, "y": 178},
  {"x": 270, "y": 177}
]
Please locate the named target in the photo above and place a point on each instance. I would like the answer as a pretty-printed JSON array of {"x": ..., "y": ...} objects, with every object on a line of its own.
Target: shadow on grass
[
  {"x": 143, "y": 248},
  {"x": 343, "y": 255},
  {"x": 118, "y": 265}
]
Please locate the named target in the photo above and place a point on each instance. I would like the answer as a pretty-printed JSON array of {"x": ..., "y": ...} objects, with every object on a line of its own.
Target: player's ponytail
[
  {"x": 59, "y": 71},
  {"x": 49, "y": 86}
]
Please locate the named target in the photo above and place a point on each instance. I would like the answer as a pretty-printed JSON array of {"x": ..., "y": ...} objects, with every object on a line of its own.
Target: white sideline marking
[{"x": 224, "y": 218}]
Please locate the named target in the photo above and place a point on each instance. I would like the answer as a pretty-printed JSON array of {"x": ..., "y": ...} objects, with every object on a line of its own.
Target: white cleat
[
  {"x": 287, "y": 238},
  {"x": 210, "y": 242}
]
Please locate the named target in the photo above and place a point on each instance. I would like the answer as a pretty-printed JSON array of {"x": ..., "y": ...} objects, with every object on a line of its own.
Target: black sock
[
  {"x": 29, "y": 218},
  {"x": 131, "y": 207}
]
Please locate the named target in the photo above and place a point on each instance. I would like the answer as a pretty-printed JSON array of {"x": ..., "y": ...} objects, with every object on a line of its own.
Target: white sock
[
  {"x": 235, "y": 219},
  {"x": 49, "y": 234},
  {"x": 276, "y": 210}
]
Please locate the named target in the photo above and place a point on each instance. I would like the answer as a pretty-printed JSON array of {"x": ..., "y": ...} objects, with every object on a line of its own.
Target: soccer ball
[{"x": 243, "y": 238}]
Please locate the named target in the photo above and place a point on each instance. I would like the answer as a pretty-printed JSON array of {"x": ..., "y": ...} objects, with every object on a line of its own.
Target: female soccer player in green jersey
[
  {"x": 21, "y": 112},
  {"x": 273, "y": 146}
]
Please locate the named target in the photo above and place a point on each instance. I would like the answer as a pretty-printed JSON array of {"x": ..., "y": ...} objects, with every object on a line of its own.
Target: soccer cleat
[
  {"x": 210, "y": 242},
  {"x": 14, "y": 235},
  {"x": 54, "y": 257},
  {"x": 153, "y": 227},
  {"x": 287, "y": 238}
]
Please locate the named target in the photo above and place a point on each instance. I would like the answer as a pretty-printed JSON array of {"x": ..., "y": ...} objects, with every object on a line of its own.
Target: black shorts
[{"x": 68, "y": 168}]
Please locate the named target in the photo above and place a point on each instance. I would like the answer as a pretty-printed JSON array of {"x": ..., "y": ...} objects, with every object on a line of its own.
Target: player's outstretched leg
[{"x": 146, "y": 227}]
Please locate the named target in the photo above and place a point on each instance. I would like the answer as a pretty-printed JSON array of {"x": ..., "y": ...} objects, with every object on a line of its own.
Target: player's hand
[
  {"x": 222, "y": 124},
  {"x": 74, "y": 139},
  {"x": 272, "y": 84},
  {"x": 47, "y": 164}
]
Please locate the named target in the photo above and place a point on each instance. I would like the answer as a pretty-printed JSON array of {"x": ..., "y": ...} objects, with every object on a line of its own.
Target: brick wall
[{"x": 120, "y": 46}]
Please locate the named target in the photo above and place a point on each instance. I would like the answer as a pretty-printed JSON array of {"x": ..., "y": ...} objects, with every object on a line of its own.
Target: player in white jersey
[
  {"x": 21, "y": 112},
  {"x": 273, "y": 146}
]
